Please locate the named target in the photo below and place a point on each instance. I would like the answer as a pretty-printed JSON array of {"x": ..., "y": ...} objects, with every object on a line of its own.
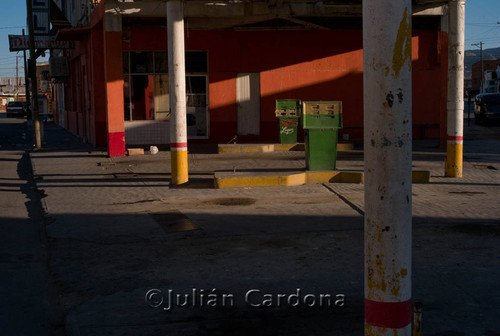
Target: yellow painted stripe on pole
[
  {"x": 454, "y": 159},
  {"x": 179, "y": 166}
]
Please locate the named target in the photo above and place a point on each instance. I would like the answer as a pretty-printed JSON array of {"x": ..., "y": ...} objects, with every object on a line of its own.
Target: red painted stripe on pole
[
  {"x": 178, "y": 144},
  {"x": 394, "y": 315},
  {"x": 455, "y": 138}
]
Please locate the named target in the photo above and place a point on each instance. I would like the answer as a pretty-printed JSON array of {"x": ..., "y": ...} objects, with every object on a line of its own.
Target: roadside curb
[
  {"x": 264, "y": 148},
  {"x": 265, "y": 179}
]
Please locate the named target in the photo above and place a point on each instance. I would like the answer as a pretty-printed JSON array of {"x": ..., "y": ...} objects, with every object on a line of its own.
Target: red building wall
[{"x": 85, "y": 105}]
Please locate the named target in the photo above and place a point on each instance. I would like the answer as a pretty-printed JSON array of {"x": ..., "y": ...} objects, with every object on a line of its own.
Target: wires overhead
[
  {"x": 487, "y": 32},
  {"x": 13, "y": 27}
]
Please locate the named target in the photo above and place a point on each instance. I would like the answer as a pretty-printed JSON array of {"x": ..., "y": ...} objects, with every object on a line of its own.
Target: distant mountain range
[{"x": 473, "y": 56}]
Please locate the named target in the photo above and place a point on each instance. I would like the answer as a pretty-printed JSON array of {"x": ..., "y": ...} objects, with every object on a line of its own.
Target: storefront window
[
  {"x": 142, "y": 97},
  {"x": 161, "y": 62},
  {"x": 126, "y": 63},
  {"x": 126, "y": 96},
  {"x": 196, "y": 105},
  {"x": 196, "y": 61},
  {"x": 162, "y": 98},
  {"x": 146, "y": 88},
  {"x": 141, "y": 62},
  {"x": 196, "y": 91}
]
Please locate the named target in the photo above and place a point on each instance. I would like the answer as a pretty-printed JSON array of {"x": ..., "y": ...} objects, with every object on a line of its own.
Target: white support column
[
  {"x": 388, "y": 159},
  {"x": 177, "y": 85},
  {"x": 455, "y": 105}
]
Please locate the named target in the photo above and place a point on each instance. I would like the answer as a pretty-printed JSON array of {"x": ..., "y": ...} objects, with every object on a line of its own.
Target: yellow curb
[
  {"x": 289, "y": 147},
  {"x": 345, "y": 146},
  {"x": 334, "y": 177},
  {"x": 296, "y": 179},
  {"x": 230, "y": 180},
  {"x": 264, "y": 148},
  {"x": 323, "y": 176},
  {"x": 421, "y": 176},
  {"x": 222, "y": 149},
  {"x": 241, "y": 182},
  {"x": 238, "y": 180}
]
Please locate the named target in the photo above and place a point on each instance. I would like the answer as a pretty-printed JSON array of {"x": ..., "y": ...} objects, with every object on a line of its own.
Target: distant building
[
  {"x": 12, "y": 89},
  {"x": 468, "y": 84},
  {"x": 489, "y": 65},
  {"x": 492, "y": 80},
  {"x": 8, "y": 85}
]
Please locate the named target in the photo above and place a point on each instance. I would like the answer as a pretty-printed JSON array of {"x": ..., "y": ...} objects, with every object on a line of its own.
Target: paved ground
[
  {"x": 24, "y": 307},
  {"x": 116, "y": 230}
]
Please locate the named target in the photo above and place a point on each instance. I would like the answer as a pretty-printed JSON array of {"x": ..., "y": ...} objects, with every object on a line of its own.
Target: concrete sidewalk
[{"x": 117, "y": 229}]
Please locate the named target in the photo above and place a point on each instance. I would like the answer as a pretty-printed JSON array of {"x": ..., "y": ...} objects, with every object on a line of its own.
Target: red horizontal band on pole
[
  {"x": 178, "y": 145},
  {"x": 455, "y": 138},
  {"x": 394, "y": 315}
]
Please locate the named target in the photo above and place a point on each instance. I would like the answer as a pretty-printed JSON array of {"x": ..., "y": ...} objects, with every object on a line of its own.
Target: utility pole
[
  {"x": 32, "y": 69},
  {"x": 17, "y": 74},
  {"x": 480, "y": 45},
  {"x": 176, "y": 69},
  {"x": 26, "y": 83},
  {"x": 388, "y": 160},
  {"x": 455, "y": 99}
]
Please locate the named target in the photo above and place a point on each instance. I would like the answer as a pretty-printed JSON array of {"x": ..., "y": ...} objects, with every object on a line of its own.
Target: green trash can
[
  {"x": 288, "y": 113},
  {"x": 321, "y": 121}
]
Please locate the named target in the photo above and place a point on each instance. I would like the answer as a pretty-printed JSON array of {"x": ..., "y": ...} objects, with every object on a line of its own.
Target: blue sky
[{"x": 481, "y": 25}]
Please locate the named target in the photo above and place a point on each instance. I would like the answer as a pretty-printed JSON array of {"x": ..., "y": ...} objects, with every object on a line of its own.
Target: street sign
[
  {"x": 41, "y": 19},
  {"x": 21, "y": 42},
  {"x": 40, "y": 4},
  {"x": 41, "y": 23}
]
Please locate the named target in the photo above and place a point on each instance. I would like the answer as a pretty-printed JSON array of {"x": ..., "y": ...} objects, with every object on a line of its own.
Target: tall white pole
[
  {"x": 455, "y": 105},
  {"x": 177, "y": 85},
  {"x": 387, "y": 145}
]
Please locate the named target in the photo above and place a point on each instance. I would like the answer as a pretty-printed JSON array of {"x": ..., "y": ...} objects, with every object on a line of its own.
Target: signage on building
[
  {"x": 41, "y": 19},
  {"x": 40, "y": 4},
  {"x": 21, "y": 42},
  {"x": 59, "y": 67}
]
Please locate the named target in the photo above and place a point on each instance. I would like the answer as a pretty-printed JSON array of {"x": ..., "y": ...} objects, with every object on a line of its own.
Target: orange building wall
[
  {"x": 114, "y": 92},
  {"x": 308, "y": 65},
  {"x": 86, "y": 117}
]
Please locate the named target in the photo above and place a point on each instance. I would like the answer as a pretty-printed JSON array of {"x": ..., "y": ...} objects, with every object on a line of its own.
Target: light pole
[
  {"x": 26, "y": 83},
  {"x": 388, "y": 141},
  {"x": 480, "y": 45},
  {"x": 32, "y": 69}
]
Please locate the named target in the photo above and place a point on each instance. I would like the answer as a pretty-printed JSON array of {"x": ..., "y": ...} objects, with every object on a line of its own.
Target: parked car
[
  {"x": 17, "y": 109},
  {"x": 487, "y": 108}
]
